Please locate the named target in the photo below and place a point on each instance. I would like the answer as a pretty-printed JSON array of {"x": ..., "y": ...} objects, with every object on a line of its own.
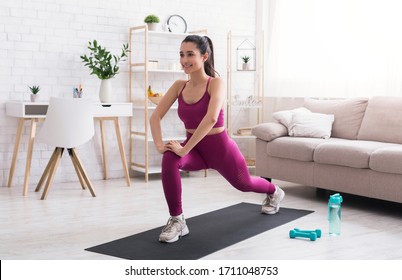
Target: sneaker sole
[
  {"x": 277, "y": 207},
  {"x": 184, "y": 232}
]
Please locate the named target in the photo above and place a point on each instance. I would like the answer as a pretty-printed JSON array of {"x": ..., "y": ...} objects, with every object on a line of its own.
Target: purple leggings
[{"x": 215, "y": 151}]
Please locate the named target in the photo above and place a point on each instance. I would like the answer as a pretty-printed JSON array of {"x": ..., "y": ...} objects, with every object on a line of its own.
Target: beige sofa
[{"x": 363, "y": 155}]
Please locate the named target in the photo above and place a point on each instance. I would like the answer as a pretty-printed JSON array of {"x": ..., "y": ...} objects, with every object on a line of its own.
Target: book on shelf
[
  {"x": 244, "y": 131},
  {"x": 250, "y": 162}
]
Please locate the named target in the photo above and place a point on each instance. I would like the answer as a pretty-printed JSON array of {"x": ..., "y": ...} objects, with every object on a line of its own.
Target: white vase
[
  {"x": 105, "y": 91},
  {"x": 34, "y": 97}
]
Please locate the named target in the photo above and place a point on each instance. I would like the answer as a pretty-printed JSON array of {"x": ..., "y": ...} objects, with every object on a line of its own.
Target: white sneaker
[
  {"x": 174, "y": 229},
  {"x": 271, "y": 203}
]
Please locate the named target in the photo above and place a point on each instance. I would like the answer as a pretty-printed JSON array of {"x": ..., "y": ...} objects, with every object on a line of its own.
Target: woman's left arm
[{"x": 217, "y": 91}]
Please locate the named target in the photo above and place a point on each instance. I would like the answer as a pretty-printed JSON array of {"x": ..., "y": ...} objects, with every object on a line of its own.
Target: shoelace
[
  {"x": 272, "y": 198},
  {"x": 169, "y": 224},
  {"x": 269, "y": 200}
]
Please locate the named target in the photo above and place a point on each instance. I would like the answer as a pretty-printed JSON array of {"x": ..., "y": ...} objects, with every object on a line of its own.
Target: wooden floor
[{"x": 70, "y": 220}]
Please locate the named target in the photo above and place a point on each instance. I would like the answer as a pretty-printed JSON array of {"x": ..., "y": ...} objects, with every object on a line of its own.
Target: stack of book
[
  {"x": 250, "y": 162},
  {"x": 244, "y": 131}
]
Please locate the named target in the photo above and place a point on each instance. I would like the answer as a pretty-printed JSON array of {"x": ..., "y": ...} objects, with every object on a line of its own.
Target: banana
[{"x": 150, "y": 92}]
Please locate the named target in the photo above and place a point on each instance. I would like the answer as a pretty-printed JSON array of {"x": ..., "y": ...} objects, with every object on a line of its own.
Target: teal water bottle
[{"x": 334, "y": 214}]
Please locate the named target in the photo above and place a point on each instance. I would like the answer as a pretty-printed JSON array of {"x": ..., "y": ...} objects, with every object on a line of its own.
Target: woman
[{"x": 201, "y": 101}]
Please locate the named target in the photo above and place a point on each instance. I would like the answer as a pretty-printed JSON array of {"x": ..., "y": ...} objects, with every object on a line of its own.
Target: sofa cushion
[
  {"x": 269, "y": 131},
  {"x": 297, "y": 148},
  {"x": 285, "y": 117},
  {"x": 382, "y": 120},
  {"x": 313, "y": 125},
  {"x": 387, "y": 159},
  {"x": 348, "y": 114},
  {"x": 343, "y": 152}
]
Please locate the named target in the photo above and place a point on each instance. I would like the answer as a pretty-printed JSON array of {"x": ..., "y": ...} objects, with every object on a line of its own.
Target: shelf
[
  {"x": 151, "y": 169},
  {"x": 177, "y": 138},
  {"x": 168, "y": 71},
  {"x": 146, "y": 67},
  {"x": 141, "y": 29},
  {"x": 246, "y": 106},
  {"x": 155, "y": 169},
  {"x": 141, "y": 107},
  {"x": 164, "y": 139},
  {"x": 161, "y": 33},
  {"x": 234, "y": 135}
]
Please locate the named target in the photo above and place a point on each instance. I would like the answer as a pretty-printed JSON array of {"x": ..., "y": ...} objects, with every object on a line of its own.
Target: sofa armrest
[{"x": 269, "y": 131}]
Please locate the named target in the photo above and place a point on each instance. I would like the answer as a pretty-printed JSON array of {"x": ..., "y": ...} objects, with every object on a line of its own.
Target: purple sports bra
[{"x": 192, "y": 114}]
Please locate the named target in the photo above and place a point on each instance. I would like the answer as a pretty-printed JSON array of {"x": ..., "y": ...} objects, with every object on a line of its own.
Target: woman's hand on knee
[{"x": 176, "y": 148}]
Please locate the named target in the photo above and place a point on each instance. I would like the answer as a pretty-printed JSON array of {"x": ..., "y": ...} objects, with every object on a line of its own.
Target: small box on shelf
[{"x": 153, "y": 64}]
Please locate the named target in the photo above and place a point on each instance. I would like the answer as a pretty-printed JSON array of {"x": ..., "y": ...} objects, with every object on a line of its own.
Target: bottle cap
[{"x": 336, "y": 198}]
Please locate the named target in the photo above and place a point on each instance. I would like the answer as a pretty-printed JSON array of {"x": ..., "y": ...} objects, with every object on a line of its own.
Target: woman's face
[{"x": 190, "y": 57}]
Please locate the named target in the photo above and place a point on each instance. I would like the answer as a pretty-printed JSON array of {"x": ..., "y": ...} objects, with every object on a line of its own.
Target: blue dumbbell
[
  {"x": 311, "y": 235},
  {"x": 317, "y": 231}
]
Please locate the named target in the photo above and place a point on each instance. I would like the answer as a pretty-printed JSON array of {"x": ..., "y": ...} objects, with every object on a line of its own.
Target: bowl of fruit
[{"x": 154, "y": 97}]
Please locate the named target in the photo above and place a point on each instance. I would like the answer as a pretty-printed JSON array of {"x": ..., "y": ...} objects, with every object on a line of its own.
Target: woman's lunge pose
[{"x": 200, "y": 107}]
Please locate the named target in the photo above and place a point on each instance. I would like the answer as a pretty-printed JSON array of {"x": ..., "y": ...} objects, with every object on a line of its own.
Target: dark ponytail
[{"x": 204, "y": 45}]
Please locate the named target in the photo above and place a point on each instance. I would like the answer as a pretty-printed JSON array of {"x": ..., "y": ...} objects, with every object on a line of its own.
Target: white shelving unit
[
  {"x": 153, "y": 61},
  {"x": 245, "y": 94}
]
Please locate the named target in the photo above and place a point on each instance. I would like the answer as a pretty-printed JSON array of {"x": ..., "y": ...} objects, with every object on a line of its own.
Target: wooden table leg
[
  {"x": 15, "y": 152},
  {"x": 121, "y": 148},
  {"x": 102, "y": 131},
  {"x": 29, "y": 155}
]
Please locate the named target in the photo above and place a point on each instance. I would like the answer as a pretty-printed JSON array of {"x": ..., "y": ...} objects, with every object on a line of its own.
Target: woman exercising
[{"x": 200, "y": 107}]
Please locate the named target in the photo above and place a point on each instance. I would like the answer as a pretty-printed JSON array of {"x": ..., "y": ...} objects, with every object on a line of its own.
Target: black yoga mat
[{"x": 209, "y": 233}]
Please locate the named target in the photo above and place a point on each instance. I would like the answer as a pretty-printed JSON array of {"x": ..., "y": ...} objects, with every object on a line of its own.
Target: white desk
[{"x": 28, "y": 111}]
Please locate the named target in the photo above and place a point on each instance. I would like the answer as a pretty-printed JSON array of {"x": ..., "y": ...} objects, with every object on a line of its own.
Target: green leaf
[{"x": 101, "y": 62}]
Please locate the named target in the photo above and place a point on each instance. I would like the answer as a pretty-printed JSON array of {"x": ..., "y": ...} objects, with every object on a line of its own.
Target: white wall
[
  {"x": 41, "y": 42},
  {"x": 344, "y": 48}
]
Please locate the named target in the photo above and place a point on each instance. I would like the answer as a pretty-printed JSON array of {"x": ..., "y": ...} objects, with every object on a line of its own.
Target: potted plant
[
  {"x": 34, "y": 93},
  {"x": 245, "y": 59},
  {"x": 104, "y": 65},
  {"x": 152, "y": 21}
]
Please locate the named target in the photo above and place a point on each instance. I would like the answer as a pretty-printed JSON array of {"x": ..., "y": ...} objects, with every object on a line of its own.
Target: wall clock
[{"x": 176, "y": 24}]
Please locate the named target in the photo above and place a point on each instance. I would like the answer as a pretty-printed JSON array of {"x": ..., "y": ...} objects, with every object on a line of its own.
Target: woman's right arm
[{"x": 163, "y": 107}]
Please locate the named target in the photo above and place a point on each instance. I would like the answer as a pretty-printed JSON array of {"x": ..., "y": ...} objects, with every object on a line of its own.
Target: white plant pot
[
  {"x": 152, "y": 26},
  {"x": 105, "y": 91},
  {"x": 34, "y": 97},
  {"x": 246, "y": 66}
]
